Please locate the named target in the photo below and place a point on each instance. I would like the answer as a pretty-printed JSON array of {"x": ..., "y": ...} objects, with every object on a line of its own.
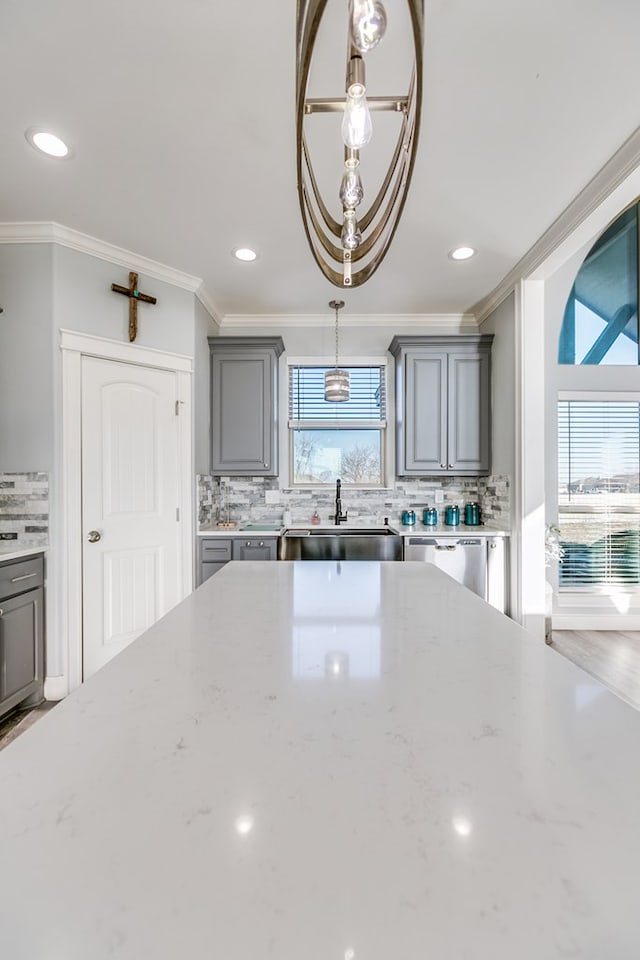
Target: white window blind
[
  {"x": 366, "y": 403},
  {"x": 598, "y": 491}
]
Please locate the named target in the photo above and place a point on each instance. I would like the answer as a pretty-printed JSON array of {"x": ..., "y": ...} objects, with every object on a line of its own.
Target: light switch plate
[
  {"x": 272, "y": 496},
  {"x": 439, "y": 496}
]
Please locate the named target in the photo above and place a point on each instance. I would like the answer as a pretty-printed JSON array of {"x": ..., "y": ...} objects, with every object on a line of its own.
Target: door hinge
[
  {"x": 178, "y": 405},
  {"x": 178, "y": 514}
]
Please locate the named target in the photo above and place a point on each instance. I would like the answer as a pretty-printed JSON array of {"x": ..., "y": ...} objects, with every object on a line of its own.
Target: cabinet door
[
  {"x": 208, "y": 569},
  {"x": 425, "y": 414},
  {"x": 468, "y": 413},
  {"x": 21, "y": 645},
  {"x": 255, "y": 549},
  {"x": 241, "y": 438}
]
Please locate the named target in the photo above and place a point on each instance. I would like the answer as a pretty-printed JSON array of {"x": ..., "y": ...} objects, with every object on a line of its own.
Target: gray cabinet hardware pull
[{"x": 26, "y": 576}]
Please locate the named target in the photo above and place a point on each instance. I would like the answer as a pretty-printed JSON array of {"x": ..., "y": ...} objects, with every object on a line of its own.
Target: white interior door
[{"x": 130, "y": 494}]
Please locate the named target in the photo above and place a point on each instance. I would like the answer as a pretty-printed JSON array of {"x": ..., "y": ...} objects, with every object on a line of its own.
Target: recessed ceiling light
[
  {"x": 47, "y": 142},
  {"x": 462, "y": 253},
  {"x": 245, "y": 254}
]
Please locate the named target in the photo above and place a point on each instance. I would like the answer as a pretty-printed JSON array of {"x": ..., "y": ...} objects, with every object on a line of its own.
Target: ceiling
[{"x": 181, "y": 118}]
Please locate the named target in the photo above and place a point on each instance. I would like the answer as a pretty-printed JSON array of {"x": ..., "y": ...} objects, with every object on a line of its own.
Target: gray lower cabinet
[
  {"x": 21, "y": 632},
  {"x": 244, "y": 397},
  {"x": 256, "y": 548},
  {"x": 215, "y": 552},
  {"x": 443, "y": 405}
]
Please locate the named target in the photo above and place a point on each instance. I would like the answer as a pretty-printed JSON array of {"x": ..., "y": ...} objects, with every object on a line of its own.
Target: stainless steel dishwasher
[{"x": 463, "y": 558}]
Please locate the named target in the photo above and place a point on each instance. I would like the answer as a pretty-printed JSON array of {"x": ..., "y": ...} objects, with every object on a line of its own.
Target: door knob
[{"x": 93, "y": 536}]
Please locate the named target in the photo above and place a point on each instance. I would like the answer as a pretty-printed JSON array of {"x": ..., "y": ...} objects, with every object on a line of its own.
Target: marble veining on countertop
[{"x": 342, "y": 761}]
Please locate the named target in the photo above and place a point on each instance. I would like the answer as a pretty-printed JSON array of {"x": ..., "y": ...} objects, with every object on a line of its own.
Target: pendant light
[{"x": 336, "y": 381}]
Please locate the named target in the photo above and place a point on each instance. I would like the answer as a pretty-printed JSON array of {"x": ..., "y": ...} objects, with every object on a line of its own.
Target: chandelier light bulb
[
  {"x": 351, "y": 190},
  {"x": 356, "y": 123},
  {"x": 368, "y": 24},
  {"x": 350, "y": 237}
]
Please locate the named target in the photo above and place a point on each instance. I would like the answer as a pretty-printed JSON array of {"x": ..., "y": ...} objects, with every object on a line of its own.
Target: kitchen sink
[{"x": 341, "y": 543}]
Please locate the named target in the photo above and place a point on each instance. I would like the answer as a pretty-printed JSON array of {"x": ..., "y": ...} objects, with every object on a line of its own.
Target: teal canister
[
  {"x": 472, "y": 514},
  {"x": 430, "y": 516},
  {"x": 452, "y": 515},
  {"x": 408, "y": 518}
]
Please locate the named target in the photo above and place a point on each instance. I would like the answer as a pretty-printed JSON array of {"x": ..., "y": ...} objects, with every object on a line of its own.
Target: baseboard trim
[{"x": 55, "y": 688}]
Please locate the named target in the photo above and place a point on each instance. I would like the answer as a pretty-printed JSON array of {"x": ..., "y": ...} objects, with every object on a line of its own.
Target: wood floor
[
  {"x": 613, "y": 657},
  {"x": 20, "y": 720}
]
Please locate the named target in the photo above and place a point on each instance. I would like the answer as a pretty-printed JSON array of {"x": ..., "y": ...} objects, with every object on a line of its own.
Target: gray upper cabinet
[
  {"x": 244, "y": 398},
  {"x": 443, "y": 405}
]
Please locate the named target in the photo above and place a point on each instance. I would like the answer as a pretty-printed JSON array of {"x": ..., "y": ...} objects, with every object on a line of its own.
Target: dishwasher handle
[{"x": 439, "y": 545}]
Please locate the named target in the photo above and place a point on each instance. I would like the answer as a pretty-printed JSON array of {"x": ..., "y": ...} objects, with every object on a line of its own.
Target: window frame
[
  {"x": 567, "y": 326},
  {"x": 381, "y": 427}
]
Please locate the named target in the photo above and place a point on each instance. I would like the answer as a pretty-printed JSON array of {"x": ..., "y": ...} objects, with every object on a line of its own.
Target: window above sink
[{"x": 331, "y": 440}]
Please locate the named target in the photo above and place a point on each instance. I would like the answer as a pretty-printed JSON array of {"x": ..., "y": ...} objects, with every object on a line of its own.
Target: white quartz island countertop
[{"x": 333, "y": 761}]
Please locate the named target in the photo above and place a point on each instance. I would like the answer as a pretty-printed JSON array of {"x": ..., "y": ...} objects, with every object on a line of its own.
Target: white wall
[
  {"x": 84, "y": 301},
  {"x": 204, "y": 327},
  {"x": 501, "y": 323},
  {"x": 26, "y": 357}
]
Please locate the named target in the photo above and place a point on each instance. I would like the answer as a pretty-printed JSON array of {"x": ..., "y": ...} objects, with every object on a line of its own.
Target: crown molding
[
  {"x": 207, "y": 302},
  {"x": 66, "y": 237},
  {"x": 623, "y": 162},
  {"x": 448, "y": 321}
]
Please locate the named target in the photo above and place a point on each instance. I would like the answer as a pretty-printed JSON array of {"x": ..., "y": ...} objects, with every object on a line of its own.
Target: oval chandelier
[{"x": 350, "y": 247}]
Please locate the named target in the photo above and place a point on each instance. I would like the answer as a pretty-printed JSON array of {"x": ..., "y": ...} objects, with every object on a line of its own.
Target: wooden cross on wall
[{"x": 134, "y": 295}]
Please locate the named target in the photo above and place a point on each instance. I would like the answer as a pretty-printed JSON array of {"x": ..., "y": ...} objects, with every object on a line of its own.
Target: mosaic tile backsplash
[
  {"x": 259, "y": 499},
  {"x": 24, "y": 509}
]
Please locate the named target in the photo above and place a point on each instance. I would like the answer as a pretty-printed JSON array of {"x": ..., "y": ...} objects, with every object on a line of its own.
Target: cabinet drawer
[
  {"x": 20, "y": 575},
  {"x": 215, "y": 550}
]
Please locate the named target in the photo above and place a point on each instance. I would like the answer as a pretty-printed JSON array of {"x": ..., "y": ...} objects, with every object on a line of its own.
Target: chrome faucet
[{"x": 340, "y": 517}]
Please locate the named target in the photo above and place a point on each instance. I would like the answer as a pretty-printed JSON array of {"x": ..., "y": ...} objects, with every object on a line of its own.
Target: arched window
[{"x": 600, "y": 324}]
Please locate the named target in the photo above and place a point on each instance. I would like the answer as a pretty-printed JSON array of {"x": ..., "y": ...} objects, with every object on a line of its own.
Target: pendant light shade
[
  {"x": 336, "y": 385},
  {"x": 336, "y": 381}
]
